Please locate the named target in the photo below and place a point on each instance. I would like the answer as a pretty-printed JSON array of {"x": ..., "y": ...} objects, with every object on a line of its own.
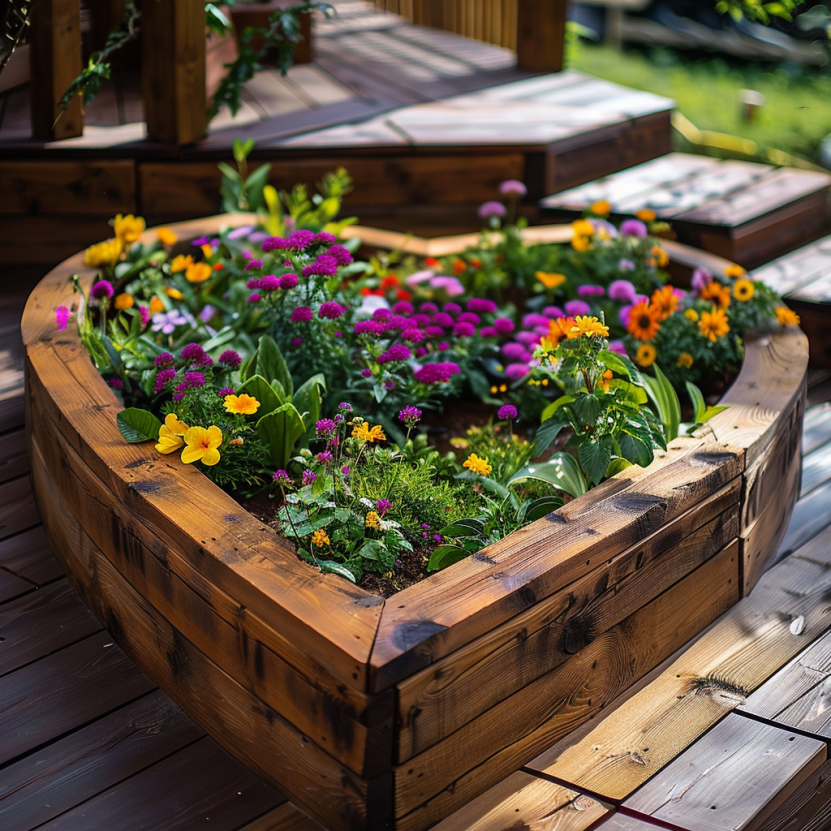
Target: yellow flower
[
  {"x": 581, "y": 243},
  {"x": 459, "y": 443},
  {"x": 103, "y": 254},
  {"x": 198, "y": 272},
  {"x": 743, "y": 290},
  {"x": 582, "y": 228},
  {"x": 503, "y": 388},
  {"x": 128, "y": 228},
  {"x": 373, "y": 520},
  {"x": 646, "y": 215},
  {"x": 202, "y": 445},
  {"x": 207, "y": 251},
  {"x": 785, "y": 317},
  {"x": 685, "y": 360},
  {"x": 124, "y": 301},
  {"x": 551, "y": 280},
  {"x": 320, "y": 538},
  {"x": 665, "y": 301},
  {"x": 691, "y": 314},
  {"x": 646, "y": 354},
  {"x": 181, "y": 263},
  {"x": 242, "y": 404},
  {"x": 588, "y": 326},
  {"x": 713, "y": 324},
  {"x": 716, "y": 293},
  {"x": 601, "y": 207},
  {"x": 156, "y": 305},
  {"x": 661, "y": 257},
  {"x": 477, "y": 465},
  {"x": 734, "y": 271},
  {"x": 166, "y": 236},
  {"x": 170, "y": 434},
  {"x": 175, "y": 294},
  {"x": 370, "y": 434}
]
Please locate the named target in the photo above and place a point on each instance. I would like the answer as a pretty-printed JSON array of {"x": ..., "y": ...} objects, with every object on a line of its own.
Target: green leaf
[
  {"x": 138, "y": 425},
  {"x": 542, "y": 507},
  {"x": 546, "y": 433},
  {"x": 613, "y": 361},
  {"x": 446, "y": 555},
  {"x": 712, "y": 411},
  {"x": 272, "y": 365},
  {"x": 554, "y": 406},
  {"x": 279, "y": 430},
  {"x": 595, "y": 456},
  {"x": 249, "y": 367},
  {"x": 616, "y": 466},
  {"x": 635, "y": 448},
  {"x": 699, "y": 405},
  {"x": 666, "y": 402},
  {"x": 307, "y": 398},
  {"x": 336, "y": 568},
  {"x": 241, "y": 149},
  {"x": 586, "y": 409},
  {"x": 561, "y": 471},
  {"x": 371, "y": 550},
  {"x": 630, "y": 392},
  {"x": 459, "y": 530},
  {"x": 269, "y": 397}
]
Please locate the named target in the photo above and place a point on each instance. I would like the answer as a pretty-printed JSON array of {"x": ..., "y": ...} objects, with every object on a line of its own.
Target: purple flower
[
  {"x": 452, "y": 308},
  {"x": 116, "y": 384},
  {"x": 442, "y": 319},
  {"x": 367, "y": 373},
  {"x": 281, "y": 477},
  {"x": 269, "y": 283},
  {"x": 239, "y": 233},
  {"x": 398, "y": 322},
  {"x": 512, "y": 351},
  {"x": 166, "y": 322},
  {"x": 700, "y": 279},
  {"x": 395, "y": 354},
  {"x": 617, "y": 346},
  {"x": 434, "y": 332},
  {"x": 481, "y": 305},
  {"x": 403, "y": 308},
  {"x": 516, "y": 371},
  {"x": 382, "y": 506},
  {"x": 145, "y": 315},
  {"x": 288, "y": 281},
  {"x": 254, "y": 265},
  {"x": 341, "y": 255},
  {"x": 527, "y": 337},
  {"x": 164, "y": 377},
  {"x": 325, "y": 238},
  {"x": 325, "y": 457},
  {"x": 253, "y": 283},
  {"x": 231, "y": 359},
  {"x": 553, "y": 312},
  {"x": 633, "y": 228},
  {"x": 295, "y": 342},
  {"x": 325, "y": 428},
  {"x": 345, "y": 470},
  {"x": 410, "y": 416},
  {"x": 62, "y": 315},
  {"x": 506, "y": 412},
  {"x": 469, "y": 317},
  {"x": 590, "y": 291},
  {"x": 178, "y": 397},
  {"x": 503, "y": 325},
  {"x": 331, "y": 310},
  {"x": 489, "y": 209},
  {"x": 308, "y": 477},
  {"x": 225, "y": 391},
  {"x": 413, "y": 335},
  {"x": 193, "y": 352},
  {"x": 513, "y": 187},
  {"x": 438, "y": 373},
  {"x": 254, "y": 298},
  {"x": 624, "y": 314},
  {"x": 194, "y": 379},
  {"x": 345, "y": 407},
  {"x": 200, "y": 241},
  {"x": 389, "y": 384},
  {"x": 488, "y": 332},
  {"x": 275, "y": 244},
  {"x": 622, "y": 291},
  {"x": 300, "y": 240},
  {"x": 429, "y": 308},
  {"x": 420, "y": 352},
  {"x": 626, "y": 265},
  {"x": 207, "y": 313},
  {"x": 577, "y": 307},
  {"x": 102, "y": 290},
  {"x": 325, "y": 266},
  {"x": 163, "y": 360},
  {"x": 302, "y": 314},
  {"x": 257, "y": 236},
  {"x": 531, "y": 320},
  {"x": 369, "y": 327},
  {"x": 443, "y": 346},
  {"x": 464, "y": 330}
]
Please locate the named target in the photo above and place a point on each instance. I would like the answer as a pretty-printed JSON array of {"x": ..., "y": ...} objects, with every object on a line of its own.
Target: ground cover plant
[{"x": 318, "y": 387}]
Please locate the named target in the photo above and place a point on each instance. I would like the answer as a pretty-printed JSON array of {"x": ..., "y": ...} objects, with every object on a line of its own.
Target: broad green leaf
[
  {"x": 542, "y": 507},
  {"x": 611, "y": 360},
  {"x": 561, "y": 471},
  {"x": 586, "y": 409},
  {"x": 713, "y": 411},
  {"x": 459, "y": 530},
  {"x": 595, "y": 456},
  {"x": 138, "y": 425},
  {"x": 630, "y": 392},
  {"x": 272, "y": 365},
  {"x": 546, "y": 433},
  {"x": 269, "y": 397},
  {"x": 307, "y": 398},
  {"x": 666, "y": 402},
  {"x": 699, "y": 405},
  {"x": 616, "y": 466},
  {"x": 446, "y": 555},
  {"x": 371, "y": 550},
  {"x": 554, "y": 406},
  {"x": 279, "y": 430},
  {"x": 249, "y": 367},
  {"x": 336, "y": 568},
  {"x": 635, "y": 449}
]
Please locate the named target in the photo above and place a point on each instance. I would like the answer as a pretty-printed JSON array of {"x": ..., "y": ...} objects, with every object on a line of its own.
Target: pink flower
[
  {"x": 62, "y": 316},
  {"x": 513, "y": 187}
]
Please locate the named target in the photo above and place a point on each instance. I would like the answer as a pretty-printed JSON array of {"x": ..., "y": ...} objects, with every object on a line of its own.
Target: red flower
[
  {"x": 476, "y": 263},
  {"x": 390, "y": 282},
  {"x": 219, "y": 266},
  {"x": 459, "y": 266},
  {"x": 403, "y": 294},
  {"x": 366, "y": 292},
  {"x": 431, "y": 262}
]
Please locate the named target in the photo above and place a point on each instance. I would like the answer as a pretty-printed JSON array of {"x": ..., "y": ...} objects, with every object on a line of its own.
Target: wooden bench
[{"x": 744, "y": 211}]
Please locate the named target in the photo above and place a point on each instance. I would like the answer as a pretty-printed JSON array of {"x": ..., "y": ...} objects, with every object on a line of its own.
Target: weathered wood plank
[
  {"x": 810, "y": 517},
  {"x": 816, "y": 469},
  {"x": 731, "y": 779},
  {"x": 67, "y": 772},
  {"x": 284, "y": 818},
  {"x": 713, "y": 677},
  {"x": 28, "y": 555},
  {"x": 12, "y": 586},
  {"x": 13, "y": 459},
  {"x": 60, "y": 692},
  {"x": 17, "y": 507},
  {"x": 806, "y": 809},
  {"x": 440, "y": 699},
  {"x": 444, "y": 777},
  {"x": 524, "y": 801},
  {"x": 42, "y": 622}
]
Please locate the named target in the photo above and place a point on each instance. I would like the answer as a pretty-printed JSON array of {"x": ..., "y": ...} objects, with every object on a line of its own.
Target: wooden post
[
  {"x": 55, "y": 41},
  {"x": 173, "y": 70},
  {"x": 540, "y": 39}
]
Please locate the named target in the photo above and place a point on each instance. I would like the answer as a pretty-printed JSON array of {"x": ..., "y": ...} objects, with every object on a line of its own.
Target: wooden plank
[
  {"x": 816, "y": 429},
  {"x": 481, "y": 753},
  {"x": 624, "y": 822},
  {"x": 42, "y": 622},
  {"x": 61, "y": 187},
  {"x": 260, "y": 738},
  {"x": 284, "y": 818},
  {"x": 55, "y": 42},
  {"x": 445, "y": 696},
  {"x": 74, "y": 769},
  {"x": 197, "y": 786},
  {"x": 14, "y": 461},
  {"x": 809, "y": 520},
  {"x": 17, "y": 507},
  {"x": 173, "y": 71},
  {"x": 806, "y": 809},
  {"x": 533, "y": 563},
  {"x": 786, "y": 274},
  {"x": 11, "y": 586},
  {"x": 816, "y": 469},
  {"x": 28, "y": 555},
  {"x": 713, "y": 677},
  {"x": 731, "y": 779},
  {"x": 524, "y": 801},
  {"x": 64, "y": 690}
]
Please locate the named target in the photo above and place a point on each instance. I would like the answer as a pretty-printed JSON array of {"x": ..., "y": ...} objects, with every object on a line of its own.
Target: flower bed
[{"x": 373, "y": 713}]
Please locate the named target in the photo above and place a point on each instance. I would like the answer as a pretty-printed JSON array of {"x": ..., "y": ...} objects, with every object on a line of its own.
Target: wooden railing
[{"x": 534, "y": 29}]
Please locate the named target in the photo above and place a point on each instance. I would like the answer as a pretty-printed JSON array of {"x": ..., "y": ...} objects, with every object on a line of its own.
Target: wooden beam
[
  {"x": 55, "y": 41},
  {"x": 173, "y": 70},
  {"x": 540, "y": 39}
]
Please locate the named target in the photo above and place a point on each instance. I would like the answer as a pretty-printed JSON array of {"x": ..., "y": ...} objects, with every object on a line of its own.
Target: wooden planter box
[{"x": 373, "y": 714}]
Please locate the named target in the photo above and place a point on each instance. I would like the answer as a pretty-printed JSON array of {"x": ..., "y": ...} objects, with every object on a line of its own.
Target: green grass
[{"x": 795, "y": 118}]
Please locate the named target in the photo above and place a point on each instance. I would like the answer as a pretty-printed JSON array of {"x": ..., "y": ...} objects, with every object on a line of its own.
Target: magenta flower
[
  {"x": 413, "y": 335},
  {"x": 341, "y": 255},
  {"x": 382, "y": 506},
  {"x": 469, "y": 317},
  {"x": 163, "y": 378},
  {"x": 513, "y": 187},
  {"x": 300, "y": 240},
  {"x": 516, "y": 371},
  {"x": 145, "y": 315},
  {"x": 325, "y": 457},
  {"x": 700, "y": 279},
  {"x": 325, "y": 238},
  {"x": 302, "y": 314},
  {"x": 452, "y": 308},
  {"x": 194, "y": 379},
  {"x": 491, "y": 209},
  {"x": 503, "y": 325},
  {"x": 102, "y": 290},
  {"x": 617, "y": 346},
  {"x": 281, "y": 477},
  {"x": 410, "y": 416},
  {"x": 577, "y": 307},
  {"x": 553, "y": 312},
  {"x": 116, "y": 384},
  {"x": 163, "y": 360},
  {"x": 369, "y": 327},
  {"x": 442, "y": 319},
  {"x": 62, "y": 315},
  {"x": 622, "y": 291},
  {"x": 464, "y": 330},
  {"x": 275, "y": 244},
  {"x": 324, "y": 266},
  {"x": 403, "y": 308},
  {"x": 254, "y": 298},
  {"x": 193, "y": 352},
  {"x": 254, "y": 265},
  {"x": 506, "y": 412},
  {"x": 269, "y": 283},
  {"x": 481, "y": 305},
  {"x": 331, "y": 310},
  {"x": 308, "y": 477},
  {"x": 325, "y": 428},
  {"x": 367, "y": 373},
  {"x": 488, "y": 332},
  {"x": 512, "y": 351},
  {"x": 633, "y": 228},
  {"x": 438, "y": 373},
  {"x": 225, "y": 391},
  {"x": 395, "y": 354},
  {"x": 288, "y": 281}
]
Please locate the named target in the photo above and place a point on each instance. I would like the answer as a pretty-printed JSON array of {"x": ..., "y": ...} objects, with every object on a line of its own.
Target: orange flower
[
  {"x": 124, "y": 301},
  {"x": 646, "y": 354},
  {"x": 665, "y": 301},
  {"x": 785, "y": 317},
  {"x": 646, "y": 215},
  {"x": 713, "y": 324},
  {"x": 601, "y": 207},
  {"x": 207, "y": 251},
  {"x": 559, "y": 329},
  {"x": 431, "y": 262},
  {"x": 734, "y": 271},
  {"x": 644, "y": 321},
  {"x": 550, "y": 279},
  {"x": 166, "y": 236},
  {"x": 581, "y": 243},
  {"x": 156, "y": 306},
  {"x": 661, "y": 257},
  {"x": 459, "y": 266},
  {"x": 716, "y": 293},
  {"x": 743, "y": 290},
  {"x": 181, "y": 263},
  {"x": 198, "y": 273}
]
